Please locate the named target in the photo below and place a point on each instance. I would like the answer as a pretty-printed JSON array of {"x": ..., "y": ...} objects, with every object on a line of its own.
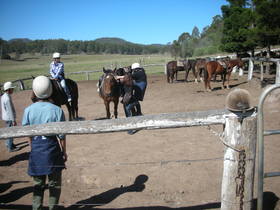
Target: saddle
[
  {"x": 222, "y": 63},
  {"x": 180, "y": 63}
]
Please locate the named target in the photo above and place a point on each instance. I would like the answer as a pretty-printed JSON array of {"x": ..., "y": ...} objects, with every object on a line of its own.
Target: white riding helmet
[
  {"x": 42, "y": 87},
  {"x": 56, "y": 55},
  {"x": 135, "y": 66},
  {"x": 8, "y": 85}
]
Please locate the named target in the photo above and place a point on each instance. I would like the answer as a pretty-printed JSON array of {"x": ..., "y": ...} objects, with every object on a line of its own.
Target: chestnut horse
[
  {"x": 110, "y": 91},
  {"x": 224, "y": 68},
  {"x": 212, "y": 69},
  {"x": 58, "y": 97},
  {"x": 172, "y": 69}
]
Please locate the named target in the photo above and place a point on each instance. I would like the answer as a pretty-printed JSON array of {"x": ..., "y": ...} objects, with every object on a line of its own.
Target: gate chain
[{"x": 240, "y": 179}]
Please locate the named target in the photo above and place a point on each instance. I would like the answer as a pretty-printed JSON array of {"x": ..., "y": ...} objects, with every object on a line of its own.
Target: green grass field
[{"x": 34, "y": 65}]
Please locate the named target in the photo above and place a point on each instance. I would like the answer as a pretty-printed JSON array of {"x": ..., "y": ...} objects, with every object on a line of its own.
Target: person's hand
[{"x": 65, "y": 156}]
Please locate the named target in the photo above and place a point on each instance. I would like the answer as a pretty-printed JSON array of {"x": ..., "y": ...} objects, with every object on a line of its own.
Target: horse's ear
[{"x": 104, "y": 70}]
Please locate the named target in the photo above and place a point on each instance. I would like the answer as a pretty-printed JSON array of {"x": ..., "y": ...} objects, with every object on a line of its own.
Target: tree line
[
  {"x": 100, "y": 46},
  {"x": 244, "y": 26}
]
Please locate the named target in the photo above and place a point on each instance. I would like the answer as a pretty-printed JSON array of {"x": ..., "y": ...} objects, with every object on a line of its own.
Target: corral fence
[
  {"x": 253, "y": 62},
  {"x": 21, "y": 83},
  {"x": 239, "y": 138},
  {"x": 261, "y": 62}
]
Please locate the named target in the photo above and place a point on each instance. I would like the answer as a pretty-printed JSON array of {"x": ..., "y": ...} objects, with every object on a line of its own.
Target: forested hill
[
  {"x": 98, "y": 46},
  {"x": 114, "y": 40}
]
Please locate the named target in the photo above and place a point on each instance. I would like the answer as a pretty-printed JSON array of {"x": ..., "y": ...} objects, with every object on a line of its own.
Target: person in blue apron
[{"x": 48, "y": 153}]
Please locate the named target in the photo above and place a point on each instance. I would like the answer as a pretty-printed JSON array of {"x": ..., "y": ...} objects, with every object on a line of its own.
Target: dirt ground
[{"x": 152, "y": 169}]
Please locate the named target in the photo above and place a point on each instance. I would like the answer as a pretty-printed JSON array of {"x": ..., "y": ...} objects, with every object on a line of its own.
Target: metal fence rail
[{"x": 260, "y": 135}]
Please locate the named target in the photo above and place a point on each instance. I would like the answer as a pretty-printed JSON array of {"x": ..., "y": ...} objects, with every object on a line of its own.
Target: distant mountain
[
  {"x": 113, "y": 40},
  {"x": 25, "y": 40}
]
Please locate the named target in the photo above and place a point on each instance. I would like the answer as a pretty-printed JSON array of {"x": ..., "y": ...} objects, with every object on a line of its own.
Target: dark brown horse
[
  {"x": 109, "y": 91},
  {"x": 172, "y": 68},
  {"x": 59, "y": 97}
]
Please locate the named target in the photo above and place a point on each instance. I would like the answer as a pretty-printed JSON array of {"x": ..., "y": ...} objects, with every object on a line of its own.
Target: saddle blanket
[{"x": 180, "y": 63}]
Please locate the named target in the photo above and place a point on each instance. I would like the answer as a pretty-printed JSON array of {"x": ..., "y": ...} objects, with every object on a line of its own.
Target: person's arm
[
  {"x": 25, "y": 121},
  {"x": 63, "y": 148},
  {"x": 57, "y": 71},
  {"x": 52, "y": 70},
  {"x": 8, "y": 106},
  {"x": 119, "y": 77},
  {"x": 62, "y": 137}
]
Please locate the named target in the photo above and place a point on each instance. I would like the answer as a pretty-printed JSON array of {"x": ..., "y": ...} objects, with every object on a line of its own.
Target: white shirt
[{"x": 7, "y": 107}]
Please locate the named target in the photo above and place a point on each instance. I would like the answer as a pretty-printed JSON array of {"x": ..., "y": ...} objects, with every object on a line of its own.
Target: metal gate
[{"x": 261, "y": 134}]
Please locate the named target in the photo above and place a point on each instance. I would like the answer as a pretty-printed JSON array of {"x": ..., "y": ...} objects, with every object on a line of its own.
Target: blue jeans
[
  {"x": 140, "y": 90},
  {"x": 64, "y": 86},
  {"x": 10, "y": 141},
  {"x": 129, "y": 108}
]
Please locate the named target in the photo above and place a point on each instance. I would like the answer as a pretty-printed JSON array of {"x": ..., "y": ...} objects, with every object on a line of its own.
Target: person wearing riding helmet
[
  {"x": 57, "y": 73},
  {"x": 140, "y": 82},
  {"x": 48, "y": 153},
  {"x": 9, "y": 113}
]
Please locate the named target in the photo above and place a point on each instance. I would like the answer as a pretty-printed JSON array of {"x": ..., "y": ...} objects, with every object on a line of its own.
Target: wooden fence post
[
  {"x": 239, "y": 161},
  {"x": 262, "y": 71},
  {"x": 250, "y": 69},
  {"x": 21, "y": 85}
]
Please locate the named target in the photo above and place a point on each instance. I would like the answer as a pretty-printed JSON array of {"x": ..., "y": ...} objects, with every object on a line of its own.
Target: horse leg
[
  {"x": 107, "y": 106},
  {"x": 70, "y": 111},
  {"x": 186, "y": 75},
  {"x": 194, "y": 74},
  {"x": 229, "y": 73},
  {"x": 200, "y": 75},
  {"x": 207, "y": 78},
  {"x": 116, "y": 102},
  {"x": 172, "y": 76}
]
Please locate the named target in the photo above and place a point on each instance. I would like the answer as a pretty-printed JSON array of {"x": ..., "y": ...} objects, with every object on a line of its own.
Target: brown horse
[
  {"x": 172, "y": 69},
  {"x": 235, "y": 63},
  {"x": 200, "y": 66},
  {"x": 212, "y": 69},
  {"x": 109, "y": 91},
  {"x": 59, "y": 97}
]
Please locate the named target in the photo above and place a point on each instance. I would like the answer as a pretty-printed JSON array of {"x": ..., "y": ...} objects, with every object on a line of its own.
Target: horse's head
[
  {"x": 108, "y": 82},
  {"x": 240, "y": 63}
]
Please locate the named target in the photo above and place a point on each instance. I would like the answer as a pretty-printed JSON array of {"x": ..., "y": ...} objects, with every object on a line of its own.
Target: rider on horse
[{"x": 57, "y": 73}]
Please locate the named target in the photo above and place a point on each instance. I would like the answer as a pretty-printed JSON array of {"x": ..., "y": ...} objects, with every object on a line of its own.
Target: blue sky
[{"x": 138, "y": 21}]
